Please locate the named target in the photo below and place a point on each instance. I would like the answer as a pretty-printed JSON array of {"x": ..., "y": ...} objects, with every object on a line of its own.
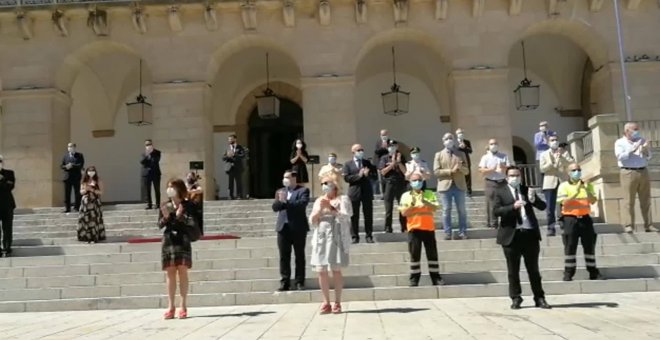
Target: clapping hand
[
  {"x": 518, "y": 204},
  {"x": 364, "y": 171},
  {"x": 398, "y": 158},
  {"x": 281, "y": 196},
  {"x": 68, "y": 166},
  {"x": 531, "y": 195},
  {"x": 179, "y": 211}
]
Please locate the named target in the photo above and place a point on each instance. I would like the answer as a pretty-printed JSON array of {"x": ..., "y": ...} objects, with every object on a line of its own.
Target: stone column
[
  {"x": 35, "y": 131},
  {"x": 481, "y": 105},
  {"x": 329, "y": 119},
  {"x": 183, "y": 131}
]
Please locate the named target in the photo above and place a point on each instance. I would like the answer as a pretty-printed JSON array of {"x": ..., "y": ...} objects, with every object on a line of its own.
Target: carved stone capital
[
  {"x": 289, "y": 13},
  {"x": 361, "y": 11},
  {"x": 553, "y": 8},
  {"x": 441, "y": 9},
  {"x": 324, "y": 12},
  {"x": 249, "y": 15},
  {"x": 400, "y": 11}
]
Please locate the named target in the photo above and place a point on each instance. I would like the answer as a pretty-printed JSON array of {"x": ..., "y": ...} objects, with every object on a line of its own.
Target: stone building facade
[{"x": 69, "y": 79}]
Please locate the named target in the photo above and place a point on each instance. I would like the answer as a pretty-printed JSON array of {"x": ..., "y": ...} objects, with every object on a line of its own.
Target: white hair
[{"x": 628, "y": 126}]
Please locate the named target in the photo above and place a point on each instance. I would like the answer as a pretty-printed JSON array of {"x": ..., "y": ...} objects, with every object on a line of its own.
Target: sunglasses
[{"x": 575, "y": 170}]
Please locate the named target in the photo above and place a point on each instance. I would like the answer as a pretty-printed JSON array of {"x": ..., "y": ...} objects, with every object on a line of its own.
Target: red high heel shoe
[
  {"x": 325, "y": 309},
  {"x": 183, "y": 314},
  {"x": 169, "y": 314}
]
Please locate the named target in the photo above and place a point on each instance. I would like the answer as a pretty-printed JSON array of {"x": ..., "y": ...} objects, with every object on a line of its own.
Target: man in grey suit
[{"x": 292, "y": 227}]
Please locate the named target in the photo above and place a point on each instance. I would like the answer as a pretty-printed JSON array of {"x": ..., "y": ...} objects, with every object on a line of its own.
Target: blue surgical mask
[
  {"x": 391, "y": 149},
  {"x": 415, "y": 156},
  {"x": 514, "y": 181},
  {"x": 576, "y": 175},
  {"x": 327, "y": 188},
  {"x": 332, "y": 160},
  {"x": 416, "y": 185},
  {"x": 636, "y": 135},
  {"x": 359, "y": 154}
]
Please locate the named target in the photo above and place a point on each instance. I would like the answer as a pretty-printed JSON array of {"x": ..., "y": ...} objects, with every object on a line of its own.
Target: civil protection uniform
[
  {"x": 578, "y": 226},
  {"x": 421, "y": 231}
]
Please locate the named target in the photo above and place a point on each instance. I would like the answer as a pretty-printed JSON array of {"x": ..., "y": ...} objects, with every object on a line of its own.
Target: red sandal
[
  {"x": 169, "y": 314},
  {"x": 183, "y": 314},
  {"x": 336, "y": 309},
  {"x": 325, "y": 309}
]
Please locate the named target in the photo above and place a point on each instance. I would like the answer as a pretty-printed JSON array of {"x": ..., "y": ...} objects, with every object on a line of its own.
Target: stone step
[{"x": 307, "y": 296}]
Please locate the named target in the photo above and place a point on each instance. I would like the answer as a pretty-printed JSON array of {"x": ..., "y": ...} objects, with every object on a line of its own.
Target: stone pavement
[{"x": 605, "y": 316}]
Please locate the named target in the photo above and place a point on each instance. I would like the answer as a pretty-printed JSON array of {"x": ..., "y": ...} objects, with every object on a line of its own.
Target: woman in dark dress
[
  {"x": 90, "y": 218},
  {"x": 196, "y": 195},
  {"x": 299, "y": 159},
  {"x": 176, "y": 217}
]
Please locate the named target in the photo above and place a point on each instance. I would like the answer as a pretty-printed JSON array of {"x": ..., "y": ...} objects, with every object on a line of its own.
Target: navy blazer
[
  {"x": 294, "y": 211},
  {"x": 503, "y": 207},
  {"x": 7, "y": 183},
  {"x": 78, "y": 163},
  {"x": 359, "y": 188},
  {"x": 151, "y": 164}
]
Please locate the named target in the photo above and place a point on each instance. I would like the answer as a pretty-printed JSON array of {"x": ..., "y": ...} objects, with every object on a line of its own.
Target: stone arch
[
  {"x": 523, "y": 144},
  {"x": 592, "y": 43},
  {"x": 227, "y": 50},
  {"x": 245, "y": 103}
]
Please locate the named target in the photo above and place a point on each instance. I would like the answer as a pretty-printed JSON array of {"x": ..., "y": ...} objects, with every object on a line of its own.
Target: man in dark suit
[
  {"x": 233, "y": 159},
  {"x": 519, "y": 235},
  {"x": 7, "y": 206},
  {"x": 358, "y": 173},
  {"x": 380, "y": 150},
  {"x": 150, "y": 174},
  {"x": 72, "y": 163},
  {"x": 465, "y": 146},
  {"x": 292, "y": 227}
]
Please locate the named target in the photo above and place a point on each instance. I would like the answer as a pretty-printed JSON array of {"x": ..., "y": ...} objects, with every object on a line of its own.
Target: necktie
[{"x": 519, "y": 212}]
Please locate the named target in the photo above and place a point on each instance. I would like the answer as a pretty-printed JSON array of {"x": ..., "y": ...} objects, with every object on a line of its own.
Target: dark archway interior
[
  {"x": 519, "y": 156},
  {"x": 269, "y": 141}
]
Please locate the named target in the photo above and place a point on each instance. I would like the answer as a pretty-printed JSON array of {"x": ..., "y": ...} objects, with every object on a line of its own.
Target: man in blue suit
[{"x": 292, "y": 227}]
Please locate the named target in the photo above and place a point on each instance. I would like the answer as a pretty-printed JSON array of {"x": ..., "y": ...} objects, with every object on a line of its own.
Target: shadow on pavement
[
  {"x": 388, "y": 310},
  {"x": 251, "y": 314}
]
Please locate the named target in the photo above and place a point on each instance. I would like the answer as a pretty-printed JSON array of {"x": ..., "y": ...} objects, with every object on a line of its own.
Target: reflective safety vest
[
  {"x": 419, "y": 216},
  {"x": 579, "y": 205}
]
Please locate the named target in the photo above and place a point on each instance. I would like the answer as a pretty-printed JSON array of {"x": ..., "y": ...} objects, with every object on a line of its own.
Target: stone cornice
[
  {"x": 27, "y": 94},
  {"x": 485, "y": 73},
  {"x": 327, "y": 81},
  {"x": 184, "y": 86}
]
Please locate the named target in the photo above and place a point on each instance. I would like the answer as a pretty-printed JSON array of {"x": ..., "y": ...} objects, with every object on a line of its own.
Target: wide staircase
[{"x": 50, "y": 270}]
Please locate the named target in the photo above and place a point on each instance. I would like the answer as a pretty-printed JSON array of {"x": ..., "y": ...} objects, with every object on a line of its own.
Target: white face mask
[
  {"x": 514, "y": 181},
  {"x": 493, "y": 148},
  {"x": 91, "y": 173},
  {"x": 150, "y": 148},
  {"x": 460, "y": 136},
  {"x": 391, "y": 149},
  {"x": 543, "y": 128},
  {"x": 415, "y": 156},
  {"x": 449, "y": 144},
  {"x": 554, "y": 145},
  {"x": 299, "y": 145},
  {"x": 327, "y": 188},
  {"x": 171, "y": 192},
  {"x": 384, "y": 138},
  {"x": 71, "y": 150},
  {"x": 286, "y": 182},
  {"x": 332, "y": 160}
]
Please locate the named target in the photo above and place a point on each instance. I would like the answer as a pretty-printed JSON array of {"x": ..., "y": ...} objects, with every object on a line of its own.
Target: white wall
[{"x": 117, "y": 158}]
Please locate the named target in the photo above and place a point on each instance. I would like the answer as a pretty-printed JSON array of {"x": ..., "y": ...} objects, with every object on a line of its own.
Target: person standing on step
[
  {"x": 419, "y": 206},
  {"x": 331, "y": 219},
  {"x": 553, "y": 165},
  {"x": 380, "y": 150},
  {"x": 332, "y": 168},
  {"x": 90, "y": 222},
  {"x": 73, "y": 164},
  {"x": 576, "y": 198},
  {"x": 150, "y": 173},
  {"x": 519, "y": 235},
  {"x": 417, "y": 164},
  {"x": 298, "y": 159},
  {"x": 292, "y": 226},
  {"x": 493, "y": 167},
  {"x": 465, "y": 146},
  {"x": 633, "y": 154},
  {"x": 196, "y": 195},
  {"x": 450, "y": 167},
  {"x": 176, "y": 219},
  {"x": 542, "y": 142},
  {"x": 233, "y": 158},
  {"x": 358, "y": 173},
  {"x": 7, "y": 206},
  {"x": 392, "y": 170}
]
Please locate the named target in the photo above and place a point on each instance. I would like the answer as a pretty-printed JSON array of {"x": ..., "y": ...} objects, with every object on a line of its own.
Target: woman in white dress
[{"x": 331, "y": 220}]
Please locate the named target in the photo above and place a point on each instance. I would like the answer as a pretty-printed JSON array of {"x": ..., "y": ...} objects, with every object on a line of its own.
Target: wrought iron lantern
[
  {"x": 140, "y": 111},
  {"x": 527, "y": 95},
  {"x": 268, "y": 105},
  {"x": 395, "y": 102}
]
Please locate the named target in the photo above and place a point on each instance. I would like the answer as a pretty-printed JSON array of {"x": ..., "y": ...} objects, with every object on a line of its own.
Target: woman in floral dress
[{"x": 90, "y": 220}]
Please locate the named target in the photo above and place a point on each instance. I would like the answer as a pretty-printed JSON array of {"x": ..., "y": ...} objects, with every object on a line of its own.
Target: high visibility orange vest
[
  {"x": 578, "y": 206},
  {"x": 419, "y": 217}
]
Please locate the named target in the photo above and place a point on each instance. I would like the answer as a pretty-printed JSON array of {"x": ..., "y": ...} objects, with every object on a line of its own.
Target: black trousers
[
  {"x": 368, "y": 211},
  {"x": 468, "y": 181},
  {"x": 287, "y": 239},
  {"x": 147, "y": 183},
  {"x": 7, "y": 220},
  {"x": 235, "y": 178},
  {"x": 525, "y": 244},
  {"x": 575, "y": 230},
  {"x": 393, "y": 190},
  {"x": 70, "y": 185},
  {"x": 417, "y": 238}
]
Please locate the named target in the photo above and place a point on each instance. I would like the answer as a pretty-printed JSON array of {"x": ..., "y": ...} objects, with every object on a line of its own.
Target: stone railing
[{"x": 594, "y": 150}]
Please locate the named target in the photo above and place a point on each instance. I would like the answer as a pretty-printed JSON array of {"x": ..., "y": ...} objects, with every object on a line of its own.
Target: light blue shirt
[
  {"x": 541, "y": 142},
  {"x": 626, "y": 158}
]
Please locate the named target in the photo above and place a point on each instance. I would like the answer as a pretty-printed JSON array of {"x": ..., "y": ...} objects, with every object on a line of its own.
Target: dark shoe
[
  {"x": 148, "y": 208},
  {"x": 597, "y": 276},
  {"x": 370, "y": 239},
  {"x": 356, "y": 241},
  {"x": 651, "y": 229},
  {"x": 388, "y": 230},
  {"x": 66, "y": 211},
  {"x": 551, "y": 232},
  {"x": 568, "y": 277},
  {"x": 541, "y": 303},
  {"x": 516, "y": 303},
  {"x": 414, "y": 283},
  {"x": 284, "y": 287},
  {"x": 403, "y": 230},
  {"x": 437, "y": 281},
  {"x": 447, "y": 237},
  {"x": 300, "y": 286}
]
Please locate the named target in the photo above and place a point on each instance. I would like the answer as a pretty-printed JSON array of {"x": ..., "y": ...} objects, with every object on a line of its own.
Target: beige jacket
[
  {"x": 443, "y": 162},
  {"x": 554, "y": 168}
]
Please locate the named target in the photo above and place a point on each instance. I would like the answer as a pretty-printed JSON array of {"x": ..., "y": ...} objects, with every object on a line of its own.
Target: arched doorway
[
  {"x": 269, "y": 142},
  {"x": 519, "y": 156}
]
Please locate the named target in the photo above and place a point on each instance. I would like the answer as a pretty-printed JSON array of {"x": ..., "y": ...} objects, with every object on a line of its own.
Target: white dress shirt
[
  {"x": 493, "y": 160},
  {"x": 525, "y": 221},
  {"x": 626, "y": 158}
]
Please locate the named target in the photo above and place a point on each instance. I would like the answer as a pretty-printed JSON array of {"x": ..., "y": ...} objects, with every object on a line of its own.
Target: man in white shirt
[
  {"x": 493, "y": 167},
  {"x": 633, "y": 153}
]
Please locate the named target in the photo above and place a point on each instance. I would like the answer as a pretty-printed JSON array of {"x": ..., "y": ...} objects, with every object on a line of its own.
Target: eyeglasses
[{"x": 575, "y": 170}]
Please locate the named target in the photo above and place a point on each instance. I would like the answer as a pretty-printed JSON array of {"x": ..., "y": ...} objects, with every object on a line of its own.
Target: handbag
[{"x": 191, "y": 228}]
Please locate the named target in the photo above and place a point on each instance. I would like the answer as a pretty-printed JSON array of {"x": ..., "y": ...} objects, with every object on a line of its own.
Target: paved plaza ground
[{"x": 631, "y": 316}]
